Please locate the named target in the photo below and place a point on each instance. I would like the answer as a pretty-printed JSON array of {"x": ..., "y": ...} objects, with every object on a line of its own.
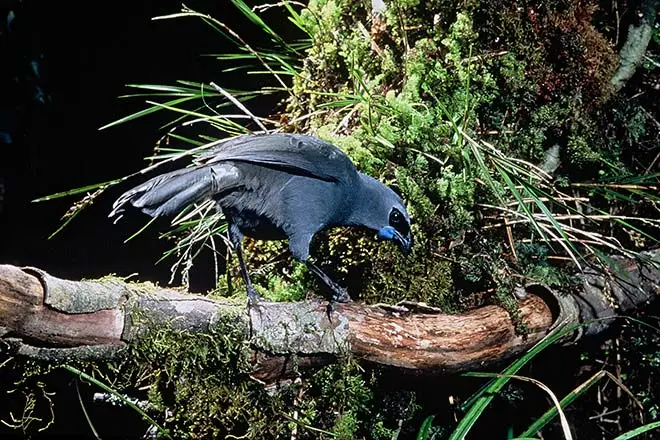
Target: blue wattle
[{"x": 386, "y": 233}]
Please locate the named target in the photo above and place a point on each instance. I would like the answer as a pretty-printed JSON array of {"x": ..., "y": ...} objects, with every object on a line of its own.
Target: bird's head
[
  {"x": 382, "y": 210},
  {"x": 398, "y": 229}
]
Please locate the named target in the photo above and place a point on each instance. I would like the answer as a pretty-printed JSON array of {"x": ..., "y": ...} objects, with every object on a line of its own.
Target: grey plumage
[{"x": 278, "y": 186}]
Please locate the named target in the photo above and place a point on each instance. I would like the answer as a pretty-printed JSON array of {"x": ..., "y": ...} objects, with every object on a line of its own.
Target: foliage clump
[
  {"x": 399, "y": 89},
  {"x": 198, "y": 386},
  {"x": 203, "y": 383}
]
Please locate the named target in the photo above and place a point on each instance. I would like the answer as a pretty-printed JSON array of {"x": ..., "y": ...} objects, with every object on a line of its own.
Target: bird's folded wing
[{"x": 297, "y": 154}]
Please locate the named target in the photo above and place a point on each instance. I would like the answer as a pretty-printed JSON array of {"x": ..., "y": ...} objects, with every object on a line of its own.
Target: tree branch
[
  {"x": 48, "y": 318},
  {"x": 633, "y": 50}
]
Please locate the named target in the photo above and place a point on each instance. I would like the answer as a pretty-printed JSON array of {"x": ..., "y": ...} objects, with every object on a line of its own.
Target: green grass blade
[
  {"x": 297, "y": 20},
  {"x": 146, "y": 111},
  {"x": 530, "y": 190},
  {"x": 183, "y": 139},
  {"x": 425, "y": 430},
  {"x": 542, "y": 421},
  {"x": 628, "y": 225},
  {"x": 508, "y": 180},
  {"x": 557, "y": 405},
  {"x": 124, "y": 400},
  {"x": 254, "y": 18},
  {"x": 210, "y": 21},
  {"x": 206, "y": 89},
  {"x": 478, "y": 156},
  {"x": 153, "y": 219},
  {"x": 479, "y": 402},
  {"x": 219, "y": 120},
  {"x": 75, "y": 191},
  {"x": 195, "y": 90},
  {"x": 64, "y": 224},
  {"x": 638, "y": 431},
  {"x": 156, "y": 94}
]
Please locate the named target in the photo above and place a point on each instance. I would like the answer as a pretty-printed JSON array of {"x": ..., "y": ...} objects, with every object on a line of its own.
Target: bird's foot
[
  {"x": 339, "y": 295},
  {"x": 253, "y": 297}
]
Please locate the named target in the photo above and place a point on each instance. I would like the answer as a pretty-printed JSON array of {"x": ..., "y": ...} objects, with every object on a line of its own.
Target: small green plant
[{"x": 474, "y": 407}]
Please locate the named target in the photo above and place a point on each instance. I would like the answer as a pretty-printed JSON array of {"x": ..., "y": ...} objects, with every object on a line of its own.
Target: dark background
[
  {"x": 62, "y": 68},
  {"x": 85, "y": 55}
]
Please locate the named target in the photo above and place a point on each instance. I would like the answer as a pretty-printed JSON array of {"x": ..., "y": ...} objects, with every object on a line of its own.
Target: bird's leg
[
  {"x": 236, "y": 239},
  {"x": 299, "y": 246},
  {"x": 339, "y": 294}
]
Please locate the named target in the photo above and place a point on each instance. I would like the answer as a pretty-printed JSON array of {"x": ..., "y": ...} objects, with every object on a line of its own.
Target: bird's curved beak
[{"x": 403, "y": 242}]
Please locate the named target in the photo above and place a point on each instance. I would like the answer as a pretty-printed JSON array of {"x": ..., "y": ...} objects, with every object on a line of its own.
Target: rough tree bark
[{"x": 52, "y": 319}]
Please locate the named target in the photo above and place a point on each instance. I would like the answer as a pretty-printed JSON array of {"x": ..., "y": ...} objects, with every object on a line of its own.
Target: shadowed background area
[{"x": 62, "y": 73}]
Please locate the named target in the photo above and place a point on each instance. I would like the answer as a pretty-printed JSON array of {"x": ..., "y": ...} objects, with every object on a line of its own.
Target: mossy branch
[{"x": 45, "y": 317}]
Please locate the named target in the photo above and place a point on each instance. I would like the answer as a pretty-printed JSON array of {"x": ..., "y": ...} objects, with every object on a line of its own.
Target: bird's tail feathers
[{"x": 170, "y": 193}]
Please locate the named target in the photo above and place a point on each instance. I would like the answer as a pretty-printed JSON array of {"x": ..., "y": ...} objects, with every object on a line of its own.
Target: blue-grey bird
[{"x": 277, "y": 186}]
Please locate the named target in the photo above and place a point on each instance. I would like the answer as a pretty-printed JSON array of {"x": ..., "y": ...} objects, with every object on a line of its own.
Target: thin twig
[
  {"x": 485, "y": 56},
  {"x": 240, "y": 105},
  {"x": 566, "y": 198},
  {"x": 267, "y": 6},
  {"x": 541, "y": 217},
  {"x": 509, "y": 234},
  {"x": 615, "y": 185}
]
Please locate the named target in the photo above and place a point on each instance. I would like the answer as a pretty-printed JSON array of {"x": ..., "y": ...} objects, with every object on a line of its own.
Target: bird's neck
[{"x": 366, "y": 197}]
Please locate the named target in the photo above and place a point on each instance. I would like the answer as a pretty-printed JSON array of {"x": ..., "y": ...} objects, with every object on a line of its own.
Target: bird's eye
[{"x": 398, "y": 222}]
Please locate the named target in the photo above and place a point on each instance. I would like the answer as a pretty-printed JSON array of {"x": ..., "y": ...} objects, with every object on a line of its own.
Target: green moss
[
  {"x": 289, "y": 288},
  {"x": 534, "y": 264},
  {"x": 346, "y": 426},
  {"x": 397, "y": 100},
  {"x": 581, "y": 152},
  {"x": 346, "y": 400},
  {"x": 354, "y": 146},
  {"x": 198, "y": 386},
  {"x": 202, "y": 378}
]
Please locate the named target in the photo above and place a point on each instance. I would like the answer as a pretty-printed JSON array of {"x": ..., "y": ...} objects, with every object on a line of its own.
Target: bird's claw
[{"x": 340, "y": 294}]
